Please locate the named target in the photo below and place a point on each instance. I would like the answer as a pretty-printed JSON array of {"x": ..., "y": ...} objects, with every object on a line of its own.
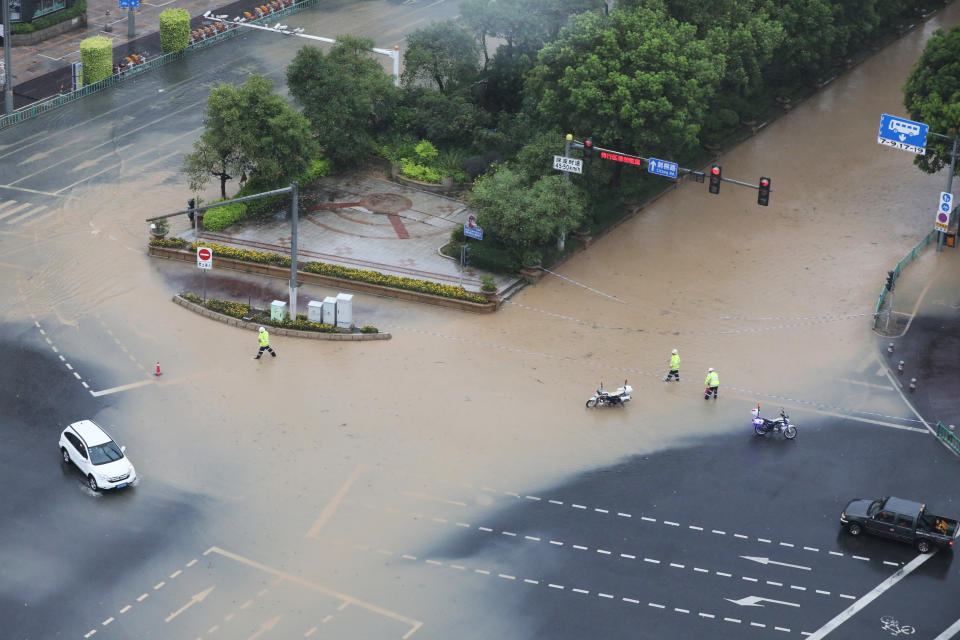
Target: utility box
[
  {"x": 344, "y": 310},
  {"x": 330, "y": 311},
  {"x": 315, "y": 311},
  {"x": 278, "y": 310}
]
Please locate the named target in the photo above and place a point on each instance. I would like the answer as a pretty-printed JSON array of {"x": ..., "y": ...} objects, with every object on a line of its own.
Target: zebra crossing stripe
[
  {"x": 7, "y": 204},
  {"x": 30, "y": 223},
  {"x": 27, "y": 214},
  {"x": 14, "y": 210}
]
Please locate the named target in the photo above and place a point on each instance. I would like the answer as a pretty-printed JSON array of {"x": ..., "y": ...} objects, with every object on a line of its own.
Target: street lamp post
[{"x": 7, "y": 72}]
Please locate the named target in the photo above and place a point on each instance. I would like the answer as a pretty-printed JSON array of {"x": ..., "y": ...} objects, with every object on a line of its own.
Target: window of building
[{"x": 48, "y": 6}]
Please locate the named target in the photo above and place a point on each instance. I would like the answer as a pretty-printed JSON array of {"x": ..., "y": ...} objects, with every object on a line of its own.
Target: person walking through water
[
  {"x": 713, "y": 384},
  {"x": 264, "y": 344},
  {"x": 674, "y": 367}
]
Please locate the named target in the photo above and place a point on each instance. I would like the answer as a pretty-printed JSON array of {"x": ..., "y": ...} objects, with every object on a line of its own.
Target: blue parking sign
[{"x": 903, "y": 134}]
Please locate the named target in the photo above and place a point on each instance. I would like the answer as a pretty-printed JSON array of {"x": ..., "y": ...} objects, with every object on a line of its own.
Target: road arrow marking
[
  {"x": 779, "y": 564},
  {"x": 266, "y": 626},
  {"x": 194, "y": 600},
  {"x": 756, "y": 601}
]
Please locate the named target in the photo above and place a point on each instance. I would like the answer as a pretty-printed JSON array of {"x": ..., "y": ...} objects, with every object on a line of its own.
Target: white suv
[{"x": 97, "y": 456}]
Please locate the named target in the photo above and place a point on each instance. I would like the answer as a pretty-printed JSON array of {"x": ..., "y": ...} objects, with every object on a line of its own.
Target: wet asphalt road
[{"x": 652, "y": 547}]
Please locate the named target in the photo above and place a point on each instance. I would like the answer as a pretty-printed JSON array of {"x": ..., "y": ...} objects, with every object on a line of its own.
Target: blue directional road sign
[
  {"x": 473, "y": 232},
  {"x": 663, "y": 168},
  {"x": 125, "y": 4},
  {"x": 900, "y": 133}
]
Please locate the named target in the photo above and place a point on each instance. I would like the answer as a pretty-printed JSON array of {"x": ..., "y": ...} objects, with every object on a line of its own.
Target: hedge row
[
  {"x": 78, "y": 9},
  {"x": 241, "y": 310},
  {"x": 326, "y": 269}
]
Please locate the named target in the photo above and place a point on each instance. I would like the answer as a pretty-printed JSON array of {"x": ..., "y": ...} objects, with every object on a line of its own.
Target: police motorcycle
[
  {"x": 762, "y": 426},
  {"x": 605, "y": 398}
]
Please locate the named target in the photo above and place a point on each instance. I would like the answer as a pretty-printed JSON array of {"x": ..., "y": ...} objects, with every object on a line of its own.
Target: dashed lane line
[{"x": 580, "y": 591}]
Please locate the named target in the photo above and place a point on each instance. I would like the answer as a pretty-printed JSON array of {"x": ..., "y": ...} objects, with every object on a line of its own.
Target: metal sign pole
[
  {"x": 953, "y": 167},
  {"x": 7, "y": 69},
  {"x": 131, "y": 24},
  {"x": 204, "y": 285},
  {"x": 294, "y": 214}
]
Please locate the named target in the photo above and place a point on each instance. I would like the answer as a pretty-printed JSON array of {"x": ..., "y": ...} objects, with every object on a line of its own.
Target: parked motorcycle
[
  {"x": 762, "y": 426},
  {"x": 601, "y": 397}
]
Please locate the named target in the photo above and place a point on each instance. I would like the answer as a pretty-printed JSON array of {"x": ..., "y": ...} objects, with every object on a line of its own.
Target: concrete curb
[
  {"x": 278, "y": 331},
  {"x": 315, "y": 278}
]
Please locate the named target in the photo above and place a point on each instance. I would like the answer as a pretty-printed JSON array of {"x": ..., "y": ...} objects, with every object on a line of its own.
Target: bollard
[
  {"x": 890, "y": 348},
  {"x": 913, "y": 384},
  {"x": 900, "y": 367},
  {"x": 952, "y": 428}
]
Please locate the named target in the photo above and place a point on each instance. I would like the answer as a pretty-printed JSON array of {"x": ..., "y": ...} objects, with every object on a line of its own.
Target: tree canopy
[
  {"x": 932, "y": 96},
  {"x": 249, "y": 130},
  {"x": 345, "y": 94},
  {"x": 443, "y": 53}
]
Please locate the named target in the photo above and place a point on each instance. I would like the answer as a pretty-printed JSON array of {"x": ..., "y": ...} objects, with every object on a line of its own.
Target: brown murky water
[{"x": 763, "y": 294}]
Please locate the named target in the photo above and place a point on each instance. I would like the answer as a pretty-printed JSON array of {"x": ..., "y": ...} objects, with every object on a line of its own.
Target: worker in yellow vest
[
  {"x": 713, "y": 384},
  {"x": 674, "y": 367},
  {"x": 264, "y": 338}
]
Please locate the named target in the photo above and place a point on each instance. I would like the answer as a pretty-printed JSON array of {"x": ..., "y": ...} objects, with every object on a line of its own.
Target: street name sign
[
  {"x": 570, "y": 165},
  {"x": 902, "y": 134},
  {"x": 473, "y": 232},
  {"x": 942, "y": 223},
  {"x": 204, "y": 257},
  {"x": 663, "y": 168}
]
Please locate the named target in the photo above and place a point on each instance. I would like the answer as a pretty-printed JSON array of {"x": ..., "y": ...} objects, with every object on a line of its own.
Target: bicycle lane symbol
[{"x": 894, "y": 628}]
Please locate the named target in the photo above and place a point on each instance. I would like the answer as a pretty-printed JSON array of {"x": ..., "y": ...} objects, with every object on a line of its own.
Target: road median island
[
  {"x": 274, "y": 271},
  {"x": 280, "y": 331}
]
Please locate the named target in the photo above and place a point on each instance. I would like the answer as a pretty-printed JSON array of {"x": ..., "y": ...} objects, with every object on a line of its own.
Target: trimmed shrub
[
  {"x": 318, "y": 168},
  {"x": 220, "y": 218},
  {"x": 174, "y": 30},
  {"x": 169, "y": 243},
  {"x": 96, "y": 54}
]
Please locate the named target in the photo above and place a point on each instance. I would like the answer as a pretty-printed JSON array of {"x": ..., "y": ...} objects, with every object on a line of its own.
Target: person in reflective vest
[
  {"x": 674, "y": 367},
  {"x": 713, "y": 384},
  {"x": 264, "y": 344}
]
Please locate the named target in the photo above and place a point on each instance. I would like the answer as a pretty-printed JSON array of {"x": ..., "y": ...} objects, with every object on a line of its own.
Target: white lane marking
[
  {"x": 822, "y": 592},
  {"x": 556, "y": 542},
  {"x": 701, "y": 570},
  {"x": 763, "y": 540},
  {"x": 532, "y": 498},
  {"x": 126, "y": 608},
  {"x": 757, "y": 624},
  {"x": 679, "y": 610},
  {"x": 27, "y": 214},
  {"x": 677, "y": 566},
  {"x": 507, "y": 577},
  {"x": 578, "y": 506},
  {"x": 408, "y": 557},
  {"x": 580, "y": 547},
  {"x": 836, "y": 553},
  {"x": 604, "y": 595},
  {"x": 740, "y": 535},
  {"x": 76, "y": 375},
  {"x": 885, "y": 387},
  {"x": 580, "y": 591},
  {"x": 458, "y": 566},
  {"x": 159, "y": 585},
  {"x": 793, "y": 586},
  {"x": 628, "y": 556},
  {"x": 555, "y": 586},
  {"x": 731, "y": 620},
  {"x": 707, "y": 615},
  {"x": 483, "y": 571},
  {"x": 658, "y": 606},
  {"x": 869, "y": 597},
  {"x": 775, "y": 584},
  {"x": 892, "y": 564},
  {"x": 69, "y": 366},
  {"x": 512, "y": 494},
  {"x": 92, "y": 632},
  {"x": 531, "y": 581},
  {"x": 192, "y": 562},
  {"x": 555, "y": 502},
  {"x": 786, "y": 544},
  {"x": 624, "y": 515},
  {"x": 143, "y": 597},
  {"x": 532, "y": 538},
  {"x": 107, "y": 621},
  {"x": 843, "y": 595},
  {"x": 672, "y": 524},
  {"x": 860, "y": 558},
  {"x": 749, "y": 579},
  {"x": 436, "y": 562},
  {"x": 463, "y": 524},
  {"x": 603, "y": 551},
  {"x": 949, "y": 632},
  {"x": 648, "y": 519},
  {"x": 782, "y": 629},
  {"x": 811, "y": 549},
  {"x": 440, "y": 520},
  {"x": 651, "y": 560},
  {"x": 14, "y": 210},
  {"x": 717, "y": 531},
  {"x": 510, "y": 533},
  {"x": 695, "y": 527},
  {"x": 723, "y": 574},
  {"x": 487, "y": 529},
  {"x": 631, "y": 600},
  {"x": 598, "y": 510}
]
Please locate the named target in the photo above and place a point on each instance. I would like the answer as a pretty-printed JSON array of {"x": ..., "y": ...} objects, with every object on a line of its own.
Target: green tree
[
  {"x": 932, "y": 96},
  {"x": 806, "y": 52},
  {"x": 636, "y": 80},
  {"x": 444, "y": 53},
  {"x": 248, "y": 129},
  {"x": 447, "y": 120},
  {"x": 346, "y": 96},
  {"x": 523, "y": 215}
]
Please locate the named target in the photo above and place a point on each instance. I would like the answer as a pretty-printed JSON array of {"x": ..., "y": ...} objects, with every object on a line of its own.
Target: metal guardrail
[
  {"x": 910, "y": 257},
  {"x": 949, "y": 438},
  {"x": 37, "y": 108}
]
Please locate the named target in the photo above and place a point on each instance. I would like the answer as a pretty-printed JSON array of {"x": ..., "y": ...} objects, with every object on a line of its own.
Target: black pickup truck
[{"x": 899, "y": 519}]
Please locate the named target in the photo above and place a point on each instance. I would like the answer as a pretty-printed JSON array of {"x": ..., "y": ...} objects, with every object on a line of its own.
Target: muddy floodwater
[{"x": 778, "y": 299}]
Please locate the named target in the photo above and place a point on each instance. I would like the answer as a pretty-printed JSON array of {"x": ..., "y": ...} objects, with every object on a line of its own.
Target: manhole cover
[{"x": 385, "y": 203}]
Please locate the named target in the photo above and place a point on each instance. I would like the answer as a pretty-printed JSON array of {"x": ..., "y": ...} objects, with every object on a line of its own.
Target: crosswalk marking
[
  {"x": 27, "y": 214},
  {"x": 7, "y": 204},
  {"x": 30, "y": 223},
  {"x": 14, "y": 210}
]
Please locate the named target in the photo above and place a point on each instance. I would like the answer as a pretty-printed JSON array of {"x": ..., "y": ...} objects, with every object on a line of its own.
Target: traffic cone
[{"x": 158, "y": 369}]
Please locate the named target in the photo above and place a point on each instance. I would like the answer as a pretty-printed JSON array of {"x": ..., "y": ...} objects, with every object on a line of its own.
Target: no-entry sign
[{"x": 204, "y": 258}]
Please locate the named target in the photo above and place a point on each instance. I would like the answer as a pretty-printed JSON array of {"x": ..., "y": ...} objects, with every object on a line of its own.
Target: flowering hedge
[{"x": 333, "y": 270}]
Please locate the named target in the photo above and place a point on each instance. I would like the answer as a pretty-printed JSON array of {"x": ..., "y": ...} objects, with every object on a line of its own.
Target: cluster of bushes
[
  {"x": 78, "y": 9},
  {"x": 326, "y": 269}
]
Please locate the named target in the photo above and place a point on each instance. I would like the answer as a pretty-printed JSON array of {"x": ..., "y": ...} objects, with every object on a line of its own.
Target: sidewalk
[
  {"x": 41, "y": 70},
  {"x": 365, "y": 223},
  {"x": 928, "y": 296}
]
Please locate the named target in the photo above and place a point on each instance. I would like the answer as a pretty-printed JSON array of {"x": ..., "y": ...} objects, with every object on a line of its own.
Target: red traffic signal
[
  {"x": 716, "y": 173},
  {"x": 588, "y": 148},
  {"x": 763, "y": 195}
]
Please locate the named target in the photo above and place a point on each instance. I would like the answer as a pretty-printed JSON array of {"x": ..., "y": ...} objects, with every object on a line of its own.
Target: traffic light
[
  {"x": 191, "y": 205},
  {"x": 466, "y": 255},
  {"x": 715, "y": 173},
  {"x": 763, "y": 196},
  {"x": 890, "y": 278},
  {"x": 588, "y": 148}
]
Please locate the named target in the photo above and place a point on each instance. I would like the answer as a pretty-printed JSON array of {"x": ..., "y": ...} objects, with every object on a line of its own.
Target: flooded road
[{"x": 778, "y": 299}]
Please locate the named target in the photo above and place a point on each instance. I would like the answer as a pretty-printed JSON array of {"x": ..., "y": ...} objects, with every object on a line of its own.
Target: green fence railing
[
  {"x": 949, "y": 437},
  {"x": 37, "y": 108},
  {"x": 910, "y": 257}
]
